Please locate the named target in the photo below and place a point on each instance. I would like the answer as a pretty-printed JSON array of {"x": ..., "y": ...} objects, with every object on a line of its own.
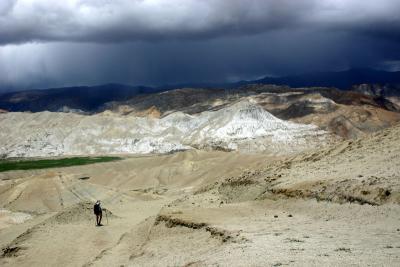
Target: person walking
[{"x": 98, "y": 212}]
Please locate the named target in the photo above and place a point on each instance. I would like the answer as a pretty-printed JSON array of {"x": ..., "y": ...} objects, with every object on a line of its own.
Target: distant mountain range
[
  {"x": 89, "y": 98},
  {"x": 343, "y": 80},
  {"x": 85, "y": 98}
]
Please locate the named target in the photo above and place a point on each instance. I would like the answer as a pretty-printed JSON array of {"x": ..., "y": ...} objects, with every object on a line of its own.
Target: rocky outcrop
[{"x": 243, "y": 126}]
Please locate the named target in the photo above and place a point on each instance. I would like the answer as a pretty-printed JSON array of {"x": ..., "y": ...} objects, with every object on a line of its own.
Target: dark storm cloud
[
  {"x": 135, "y": 20},
  {"x": 47, "y": 43},
  {"x": 223, "y": 59},
  {"x": 127, "y": 20}
]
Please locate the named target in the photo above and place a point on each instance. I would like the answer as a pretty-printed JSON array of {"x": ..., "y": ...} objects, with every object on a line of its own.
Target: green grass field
[{"x": 9, "y": 165}]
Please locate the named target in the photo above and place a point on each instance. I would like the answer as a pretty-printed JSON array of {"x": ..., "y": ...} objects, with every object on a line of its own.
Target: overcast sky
[{"x": 47, "y": 43}]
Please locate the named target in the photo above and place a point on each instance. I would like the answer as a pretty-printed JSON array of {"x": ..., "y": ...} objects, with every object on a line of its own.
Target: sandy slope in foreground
[{"x": 336, "y": 206}]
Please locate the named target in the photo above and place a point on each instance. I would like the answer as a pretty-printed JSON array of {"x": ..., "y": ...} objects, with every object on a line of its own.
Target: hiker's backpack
[{"x": 96, "y": 208}]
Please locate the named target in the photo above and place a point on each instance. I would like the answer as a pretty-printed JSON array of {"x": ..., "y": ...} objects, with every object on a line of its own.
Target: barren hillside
[
  {"x": 243, "y": 126},
  {"x": 333, "y": 206},
  {"x": 346, "y": 114}
]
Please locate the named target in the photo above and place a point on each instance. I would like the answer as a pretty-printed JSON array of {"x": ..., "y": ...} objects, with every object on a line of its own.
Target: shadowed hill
[
  {"x": 84, "y": 98},
  {"x": 340, "y": 79},
  {"x": 90, "y": 98}
]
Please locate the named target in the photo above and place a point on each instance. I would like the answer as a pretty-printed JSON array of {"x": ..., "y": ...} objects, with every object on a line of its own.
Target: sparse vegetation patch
[{"x": 22, "y": 164}]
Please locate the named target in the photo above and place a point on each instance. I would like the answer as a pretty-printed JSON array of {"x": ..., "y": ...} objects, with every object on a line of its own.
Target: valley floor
[{"x": 335, "y": 206}]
